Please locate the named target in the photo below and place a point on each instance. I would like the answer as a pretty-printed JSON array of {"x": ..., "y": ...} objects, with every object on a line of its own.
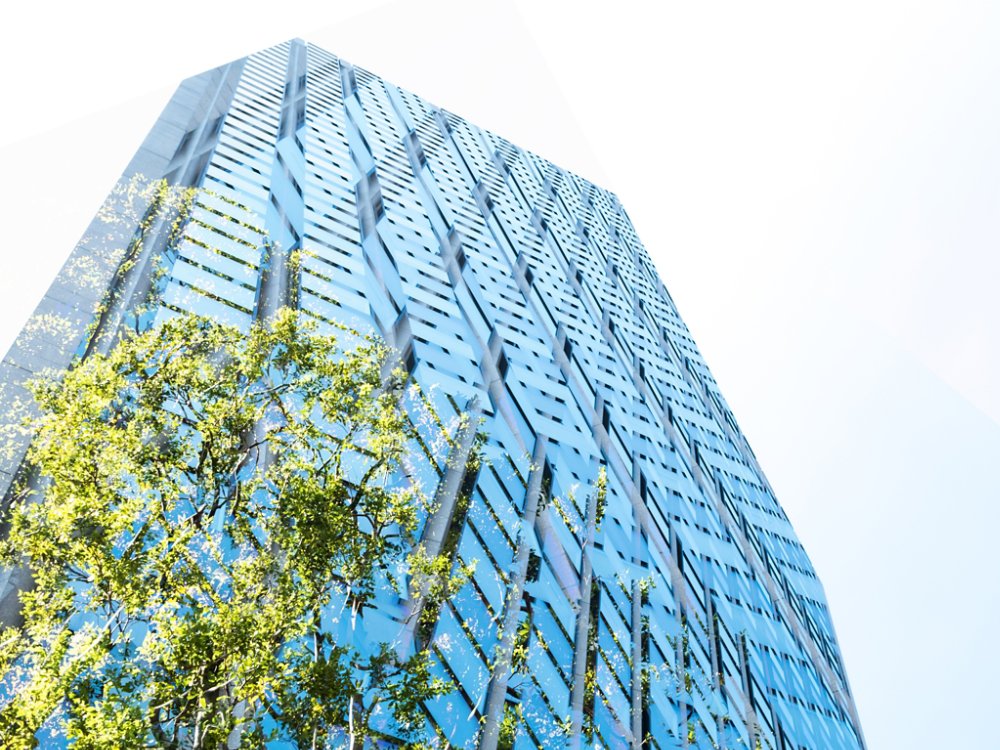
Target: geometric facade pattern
[{"x": 683, "y": 613}]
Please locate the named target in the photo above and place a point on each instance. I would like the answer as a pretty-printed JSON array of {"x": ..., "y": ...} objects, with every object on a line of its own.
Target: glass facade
[{"x": 684, "y": 612}]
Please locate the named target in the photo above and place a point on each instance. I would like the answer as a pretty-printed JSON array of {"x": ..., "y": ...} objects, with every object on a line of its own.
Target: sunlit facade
[{"x": 685, "y": 613}]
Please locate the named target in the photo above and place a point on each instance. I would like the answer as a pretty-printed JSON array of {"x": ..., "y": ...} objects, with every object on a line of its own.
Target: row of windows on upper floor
[
  {"x": 383, "y": 113},
  {"x": 268, "y": 66}
]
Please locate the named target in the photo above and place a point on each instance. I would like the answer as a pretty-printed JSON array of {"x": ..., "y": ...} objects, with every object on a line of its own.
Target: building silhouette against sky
[{"x": 683, "y": 614}]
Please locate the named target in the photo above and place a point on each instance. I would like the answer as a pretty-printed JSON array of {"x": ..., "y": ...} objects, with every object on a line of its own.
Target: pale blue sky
[{"x": 820, "y": 190}]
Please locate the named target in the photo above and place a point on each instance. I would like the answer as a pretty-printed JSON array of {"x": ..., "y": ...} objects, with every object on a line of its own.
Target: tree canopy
[{"x": 206, "y": 513}]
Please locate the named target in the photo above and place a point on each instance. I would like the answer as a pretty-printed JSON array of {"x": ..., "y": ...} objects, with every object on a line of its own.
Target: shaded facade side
[{"x": 89, "y": 298}]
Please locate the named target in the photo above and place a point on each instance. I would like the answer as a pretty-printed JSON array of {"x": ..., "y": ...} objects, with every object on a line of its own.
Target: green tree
[{"x": 207, "y": 515}]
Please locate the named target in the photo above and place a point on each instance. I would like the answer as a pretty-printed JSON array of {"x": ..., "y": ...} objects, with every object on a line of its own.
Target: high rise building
[{"x": 684, "y": 613}]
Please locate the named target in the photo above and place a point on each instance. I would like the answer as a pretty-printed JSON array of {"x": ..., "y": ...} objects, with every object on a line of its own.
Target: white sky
[{"x": 819, "y": 188}]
